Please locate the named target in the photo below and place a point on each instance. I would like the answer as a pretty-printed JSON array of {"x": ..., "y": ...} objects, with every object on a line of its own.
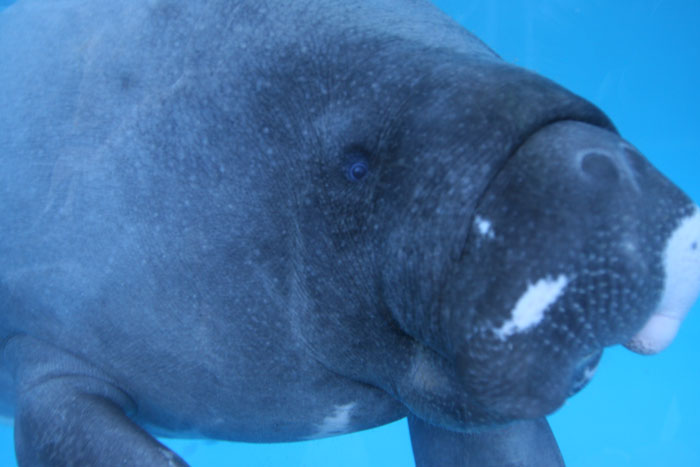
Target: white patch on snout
[
  {"x": 484, "y": 226},
  {"x": 336, "y": 423},
  {"x": 681, "y": 288},
  {"x": 589, "y": 373},
  {"x": 530, "y": 308}
]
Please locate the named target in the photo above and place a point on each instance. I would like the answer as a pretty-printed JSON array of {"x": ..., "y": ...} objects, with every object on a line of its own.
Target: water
[{"x": 638, "y": 60}]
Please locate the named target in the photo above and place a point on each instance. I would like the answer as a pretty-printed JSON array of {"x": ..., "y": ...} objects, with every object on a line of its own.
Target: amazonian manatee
[{"x": 259, "y": 222}]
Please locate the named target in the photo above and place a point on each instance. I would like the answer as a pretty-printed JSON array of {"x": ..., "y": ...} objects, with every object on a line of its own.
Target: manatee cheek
[{"x": 681, "y": 288}]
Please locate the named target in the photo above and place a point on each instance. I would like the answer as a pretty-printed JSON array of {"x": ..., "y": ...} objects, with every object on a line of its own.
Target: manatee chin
[{"x": 576, "y": 245}]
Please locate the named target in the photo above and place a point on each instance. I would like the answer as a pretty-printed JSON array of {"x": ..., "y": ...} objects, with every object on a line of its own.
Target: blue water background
[{"x": 638, "y": 60}]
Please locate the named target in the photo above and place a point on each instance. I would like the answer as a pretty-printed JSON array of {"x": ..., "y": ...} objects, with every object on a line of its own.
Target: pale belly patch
[{"x": 338, "y": 422}]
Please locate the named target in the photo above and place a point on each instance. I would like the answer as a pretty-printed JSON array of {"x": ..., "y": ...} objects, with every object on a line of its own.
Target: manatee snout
[
  {"x": 577, "y": 244},
  {"x": 608, "y": 165},
  {"x": 595, "y": 217}
]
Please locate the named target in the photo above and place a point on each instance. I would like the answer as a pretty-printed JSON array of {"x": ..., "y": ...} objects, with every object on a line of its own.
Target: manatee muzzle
[
  {"x": 579, "y": 207},
  {"x": 577, "y": 244}
]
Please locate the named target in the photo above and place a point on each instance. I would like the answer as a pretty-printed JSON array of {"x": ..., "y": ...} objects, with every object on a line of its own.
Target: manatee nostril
[
  {"x": 635, "y": 160},
  {"x": 600, "y": 167}
]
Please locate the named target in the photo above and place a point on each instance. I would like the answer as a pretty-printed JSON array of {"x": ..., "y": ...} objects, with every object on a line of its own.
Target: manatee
[{"x": 231, "y": 220}]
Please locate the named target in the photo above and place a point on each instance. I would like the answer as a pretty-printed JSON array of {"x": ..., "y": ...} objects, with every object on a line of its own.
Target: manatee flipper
[
  {"x": 67, "y": 413},
  {"x": 521, "y": 444}
]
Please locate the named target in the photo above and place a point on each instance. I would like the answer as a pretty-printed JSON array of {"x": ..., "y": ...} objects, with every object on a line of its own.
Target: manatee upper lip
[{"x": 593, "y": 116}]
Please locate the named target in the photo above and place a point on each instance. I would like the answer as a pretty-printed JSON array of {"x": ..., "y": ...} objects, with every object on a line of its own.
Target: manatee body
[{"x": 231, "y": 220}]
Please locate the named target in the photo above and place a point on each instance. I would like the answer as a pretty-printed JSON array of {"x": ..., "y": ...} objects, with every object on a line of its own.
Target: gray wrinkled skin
[{"x": 230, "y": 220}]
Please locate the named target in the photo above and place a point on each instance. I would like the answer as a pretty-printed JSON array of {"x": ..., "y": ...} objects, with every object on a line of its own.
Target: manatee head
[
  {"x": 577, "y": 244},
  {"x": 466, "y": 235}
]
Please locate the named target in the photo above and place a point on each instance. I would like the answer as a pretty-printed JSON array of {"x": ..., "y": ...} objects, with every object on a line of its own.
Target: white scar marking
[
  {"x": 589, "y": 373},
  {"x": 484, "y": 226},
  {"x": 681, "y": 288},
  {"x": 337, "y": 423},
  {"x": 530, "y": 308}
]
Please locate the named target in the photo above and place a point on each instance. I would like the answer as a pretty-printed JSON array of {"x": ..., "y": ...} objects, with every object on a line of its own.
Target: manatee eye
[{"x": 357, "y": 170}]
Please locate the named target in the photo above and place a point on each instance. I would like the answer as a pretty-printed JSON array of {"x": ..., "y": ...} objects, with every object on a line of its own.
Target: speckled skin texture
[{"x": 233, "y": 220}]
